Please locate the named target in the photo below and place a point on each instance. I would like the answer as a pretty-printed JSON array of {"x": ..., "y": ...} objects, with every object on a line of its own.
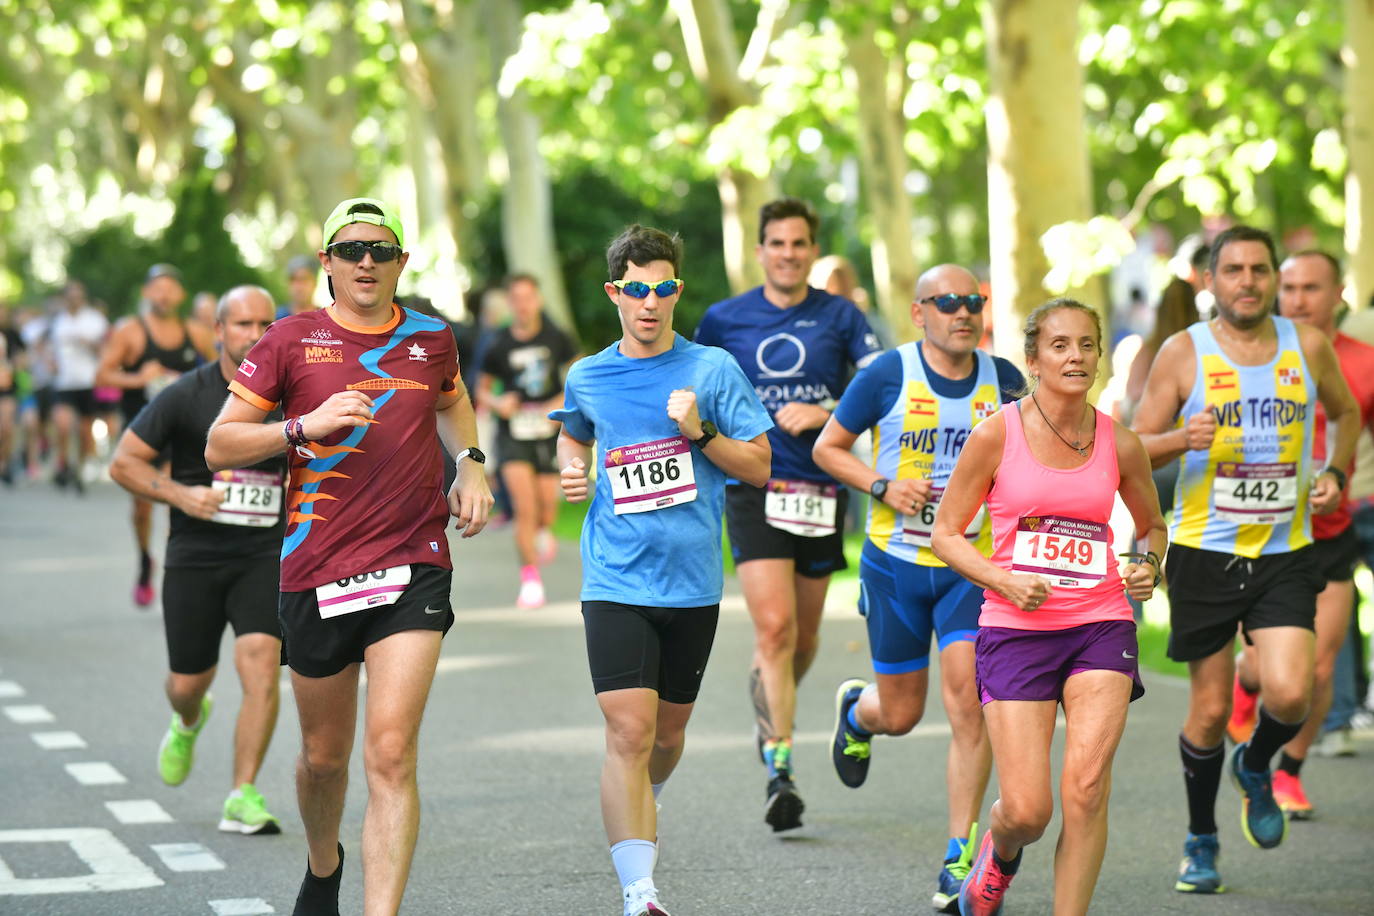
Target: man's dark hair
[
  {"x": 1242, "y": 234},
  {"x": 643, "y": 244},
  {"x": 521, "y": 277},
  {"x": 1202, "y": 255},
  {"x": 1331, "y": 260},
  {"x": 786, "y": 208},
  {"x": 302, "y": 262}
]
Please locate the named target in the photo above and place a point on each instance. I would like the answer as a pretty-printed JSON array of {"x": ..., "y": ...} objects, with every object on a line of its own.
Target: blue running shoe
[
  {"x": 1261, "y": 817},
  {"x": 848, "y": 751},
  {"x": 952, "y": 875},
  {"x": 1197, "y": 873}
]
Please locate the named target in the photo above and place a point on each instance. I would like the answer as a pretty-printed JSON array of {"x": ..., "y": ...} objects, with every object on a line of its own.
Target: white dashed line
[
  {"x": 58, "y": 741},
  {"x": 138, "y": 811},
  {"x": 111, "y": 866},
  {"x": 187, "y": 857},
  {"x": 29, "y": 715},
  {"x": 9, "y": 689},
  {"x": 240, "y": 906},
  {"x": 97, "y": 773}
]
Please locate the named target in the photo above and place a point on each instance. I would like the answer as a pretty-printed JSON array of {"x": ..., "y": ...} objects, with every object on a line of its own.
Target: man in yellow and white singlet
[
  {"x": 921, "y": 400},
  {"x": 1234, "y": 399}
]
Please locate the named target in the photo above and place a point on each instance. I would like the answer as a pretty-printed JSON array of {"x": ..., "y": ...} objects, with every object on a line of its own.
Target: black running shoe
[
  {"x": 319, "y": 896},
  {"x": 848, "y": 751},
  {"x": 784, "y": 807}
]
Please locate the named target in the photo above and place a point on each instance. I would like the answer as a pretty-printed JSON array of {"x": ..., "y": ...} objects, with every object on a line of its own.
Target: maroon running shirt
[{"x": 372, "y": 497}]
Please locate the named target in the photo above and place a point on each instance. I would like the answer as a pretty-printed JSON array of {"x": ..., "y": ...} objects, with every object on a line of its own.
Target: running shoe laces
[{"x": 177, "y": 752}]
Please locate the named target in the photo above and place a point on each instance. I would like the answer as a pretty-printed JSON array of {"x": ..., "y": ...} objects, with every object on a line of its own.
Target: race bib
[
  {"x": 251, "y": 498},
  {"x": 160, "y": 384},
  {"x": 807, "y": 509},
  {"x": 916, "y": 529},
  {"x": 1070, "y": 552},
  {"x": 530, "y": 424},
  {"x": 363, "y": 591},
  {"x": 1255, "y": 494},
  {"x": 651, "y": 475}
]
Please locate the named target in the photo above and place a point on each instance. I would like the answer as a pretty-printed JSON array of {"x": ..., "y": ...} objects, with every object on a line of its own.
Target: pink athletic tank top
[{"x": 1055, "y": 523}]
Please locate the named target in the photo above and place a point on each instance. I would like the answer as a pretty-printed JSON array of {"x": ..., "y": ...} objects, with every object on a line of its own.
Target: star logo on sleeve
[{"x": 418, "y": 353}]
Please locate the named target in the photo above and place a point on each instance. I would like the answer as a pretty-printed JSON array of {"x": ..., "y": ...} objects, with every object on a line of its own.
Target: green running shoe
[
  {"x": 178, "y": 749},
  {"x": 245, "y": 812}
]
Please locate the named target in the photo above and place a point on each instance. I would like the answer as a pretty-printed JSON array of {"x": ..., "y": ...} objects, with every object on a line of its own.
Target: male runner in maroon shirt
[{"x": 366, "y": 575}]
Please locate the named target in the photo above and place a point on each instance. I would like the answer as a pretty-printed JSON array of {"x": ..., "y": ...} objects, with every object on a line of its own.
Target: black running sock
[
  {"x": 1270, "y": 735},
  {"x": 1201, "y": 779},
  {"x": 319, "y": 896},
  {"x": 145, "y": 568},
  {"x": 1007, "y": 868},
  {"x": 1291, "y": 765}
]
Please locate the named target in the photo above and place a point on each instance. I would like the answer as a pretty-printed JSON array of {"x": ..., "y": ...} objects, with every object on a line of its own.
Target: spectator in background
[
  {"x": 836, "y": 275},
  {"x": 78, "y": 330},
  {"x": 302, "y": 276},
  {"x": 11, "y": 361}
]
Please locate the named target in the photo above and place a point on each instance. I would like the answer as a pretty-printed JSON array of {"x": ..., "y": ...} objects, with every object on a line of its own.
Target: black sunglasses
[
  {"x": 356, "y": 251},
  {"x": 950, "y": 303}
]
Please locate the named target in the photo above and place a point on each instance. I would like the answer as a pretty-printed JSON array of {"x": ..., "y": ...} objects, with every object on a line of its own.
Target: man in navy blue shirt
[{"x": 796, "y": 344}]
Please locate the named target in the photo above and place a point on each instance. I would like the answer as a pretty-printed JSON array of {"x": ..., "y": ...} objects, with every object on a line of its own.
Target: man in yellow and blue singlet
[{"x": 1233, "y": 399}]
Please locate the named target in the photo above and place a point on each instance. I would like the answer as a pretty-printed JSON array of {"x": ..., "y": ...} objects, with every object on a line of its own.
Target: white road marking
[
  {"x": 96, "y": 773},
  {"x": 9, "y": 689},
  {"x": 29, "y": 715},
  {"x": 187, "y": 857},
  {"x": 139, "y": 811},
  {"x": 240, "y": 906},
  {"x": 58, "y": 741},
  {"x": 112, "y": 866}
]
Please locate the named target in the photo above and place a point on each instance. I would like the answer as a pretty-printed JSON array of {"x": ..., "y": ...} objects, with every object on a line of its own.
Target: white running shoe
[
  {"x": 531, "y": 594},
  {"x": 641, "y": 899}
]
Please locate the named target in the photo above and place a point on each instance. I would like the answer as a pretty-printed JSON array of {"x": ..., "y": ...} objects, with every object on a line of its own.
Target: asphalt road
[{"x": 510, "y": 755}]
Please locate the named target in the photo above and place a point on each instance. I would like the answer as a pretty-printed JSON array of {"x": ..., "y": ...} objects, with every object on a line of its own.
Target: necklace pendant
[{"x": 1082, "y": 451}]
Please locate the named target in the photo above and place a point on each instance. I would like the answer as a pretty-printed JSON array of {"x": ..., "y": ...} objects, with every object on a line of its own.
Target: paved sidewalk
[{"x": 510, "y": 755}]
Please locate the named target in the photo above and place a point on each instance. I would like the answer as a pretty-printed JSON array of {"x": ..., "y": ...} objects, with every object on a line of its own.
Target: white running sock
[{"x": 633, "y": 860}]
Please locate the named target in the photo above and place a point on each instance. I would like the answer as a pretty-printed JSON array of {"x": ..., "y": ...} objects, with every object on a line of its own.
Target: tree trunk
[
  {"x": 1359, "y": 143},
  {"x": 708, "y": 33},
  {"x": 882, "y": 85},
  {"x": 526, "y": 201},
  {"x": 1038, "y": 172}
]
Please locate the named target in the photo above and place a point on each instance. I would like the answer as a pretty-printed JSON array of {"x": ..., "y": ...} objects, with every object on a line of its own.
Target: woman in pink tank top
[{"x": 1055, "y": 627}]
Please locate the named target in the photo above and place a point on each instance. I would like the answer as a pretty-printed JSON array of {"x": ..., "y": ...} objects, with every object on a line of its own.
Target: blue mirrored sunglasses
[
  {"x": 950, "y": 303},
  {"x": 356, "y": 251},
  {"x": 638, "y": 289}
]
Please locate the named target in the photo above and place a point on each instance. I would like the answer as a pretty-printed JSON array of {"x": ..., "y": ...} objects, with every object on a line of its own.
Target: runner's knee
[
  {"x": 1025, "y": 817},
  {"x": 631, "y": 738},
  {"x": 389, "y": 757}
]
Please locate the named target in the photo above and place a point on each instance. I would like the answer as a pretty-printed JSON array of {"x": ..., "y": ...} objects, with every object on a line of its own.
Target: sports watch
[
  {"x": 878, "y": 488},
  {"x": 708, "y": 432},
  {"x": 476, "y": 454}
]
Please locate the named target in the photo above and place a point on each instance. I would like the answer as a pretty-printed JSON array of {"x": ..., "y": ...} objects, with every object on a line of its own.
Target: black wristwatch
[
  {"x": 708, "y": 432},
  {"x": 878, "y": 488},
  {"x": 476, "y": 454},
  {"x": 1341, "y": 478}
]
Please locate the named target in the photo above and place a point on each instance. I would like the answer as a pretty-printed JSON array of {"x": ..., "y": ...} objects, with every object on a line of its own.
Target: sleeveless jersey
[
  {"x": 180, "y": 359},
  {"x": 1247, "y": 494},
  {"x": 1056, "y": 522},
  {"x": 920, "y": 438}
]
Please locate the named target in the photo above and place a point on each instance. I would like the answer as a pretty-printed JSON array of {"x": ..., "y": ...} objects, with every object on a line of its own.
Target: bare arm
[
  {"x": 239, "y": 437},
  {"x": 1138, "y": 493},
  {"x": 1166, "y": 390},
  {"x": 967, "y": 490},
  {"x": 750, "y": 461},
  {"x": 118, "y": 348},
  {"x": 134, "y": 470},
  {"x": 469, "y": 499},
  {"x": 574, "y": 456},
  {"x": 832, "y": 454}
]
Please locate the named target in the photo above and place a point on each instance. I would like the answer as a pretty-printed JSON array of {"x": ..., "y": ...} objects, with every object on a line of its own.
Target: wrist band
[{"x": 294, "y": 432}]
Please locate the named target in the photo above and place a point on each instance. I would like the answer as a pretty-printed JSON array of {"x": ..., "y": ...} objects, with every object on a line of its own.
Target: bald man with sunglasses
[{"x": 921, "y": 400}]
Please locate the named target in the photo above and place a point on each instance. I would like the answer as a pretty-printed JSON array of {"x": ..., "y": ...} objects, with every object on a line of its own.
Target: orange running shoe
[
  {"x": 1244, "y": 713},
  {"x": 1290, "y": 796}
]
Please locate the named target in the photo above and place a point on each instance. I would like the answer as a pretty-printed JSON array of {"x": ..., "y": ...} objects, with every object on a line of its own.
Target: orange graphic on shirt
[{"x": 387, "y": 384}]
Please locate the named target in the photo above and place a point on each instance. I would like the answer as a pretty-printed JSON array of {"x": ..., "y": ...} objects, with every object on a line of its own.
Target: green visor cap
[{"x": 361, "y": 210}]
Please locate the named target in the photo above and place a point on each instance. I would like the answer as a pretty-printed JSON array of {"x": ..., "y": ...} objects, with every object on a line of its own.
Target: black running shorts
[
  {"x": 542, "y": 453},
  {"x": 197, "y": 601},
  {"x": 317, "y": 647},
  {"x": 662, "y": 648},
  {"x": 1211, "y": 592},
  {"x": 752, "y": 538},
  {"x": 1337, "y": 557}
]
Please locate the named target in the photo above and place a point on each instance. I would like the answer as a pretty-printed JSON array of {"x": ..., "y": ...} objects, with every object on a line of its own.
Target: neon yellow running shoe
[
  {"x": 245, "y": 812},
  {"x": 178, "y": 749}
]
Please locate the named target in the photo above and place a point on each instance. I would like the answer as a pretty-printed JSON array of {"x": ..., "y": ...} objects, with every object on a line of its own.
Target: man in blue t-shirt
[
  {"x": 921, "y": 400},
  {"x": 797, "y": 345},
  {"x": 671, "y": 421}
]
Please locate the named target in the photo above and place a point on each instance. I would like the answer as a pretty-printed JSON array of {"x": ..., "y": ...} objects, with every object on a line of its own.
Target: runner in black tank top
[{"x": 179, "y": 359}]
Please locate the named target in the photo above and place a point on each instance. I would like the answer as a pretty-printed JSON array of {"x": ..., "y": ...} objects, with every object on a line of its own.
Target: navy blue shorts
[{"x": 903, "y": 603}]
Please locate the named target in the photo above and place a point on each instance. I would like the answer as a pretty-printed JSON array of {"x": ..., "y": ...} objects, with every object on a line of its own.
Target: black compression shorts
[
  {"x": 197, "y": 602},
  {"x": 662, "y": 648}
]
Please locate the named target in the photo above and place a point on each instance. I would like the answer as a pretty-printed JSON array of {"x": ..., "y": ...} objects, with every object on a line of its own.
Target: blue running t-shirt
[
  {"x": 668, "y": 557},
  {"x": 795, "y": 354}
]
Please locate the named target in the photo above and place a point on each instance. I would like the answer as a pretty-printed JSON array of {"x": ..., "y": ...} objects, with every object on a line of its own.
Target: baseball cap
[
  {"x": 363, "y": 210},
  {"x": 163, "y": 270}
]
